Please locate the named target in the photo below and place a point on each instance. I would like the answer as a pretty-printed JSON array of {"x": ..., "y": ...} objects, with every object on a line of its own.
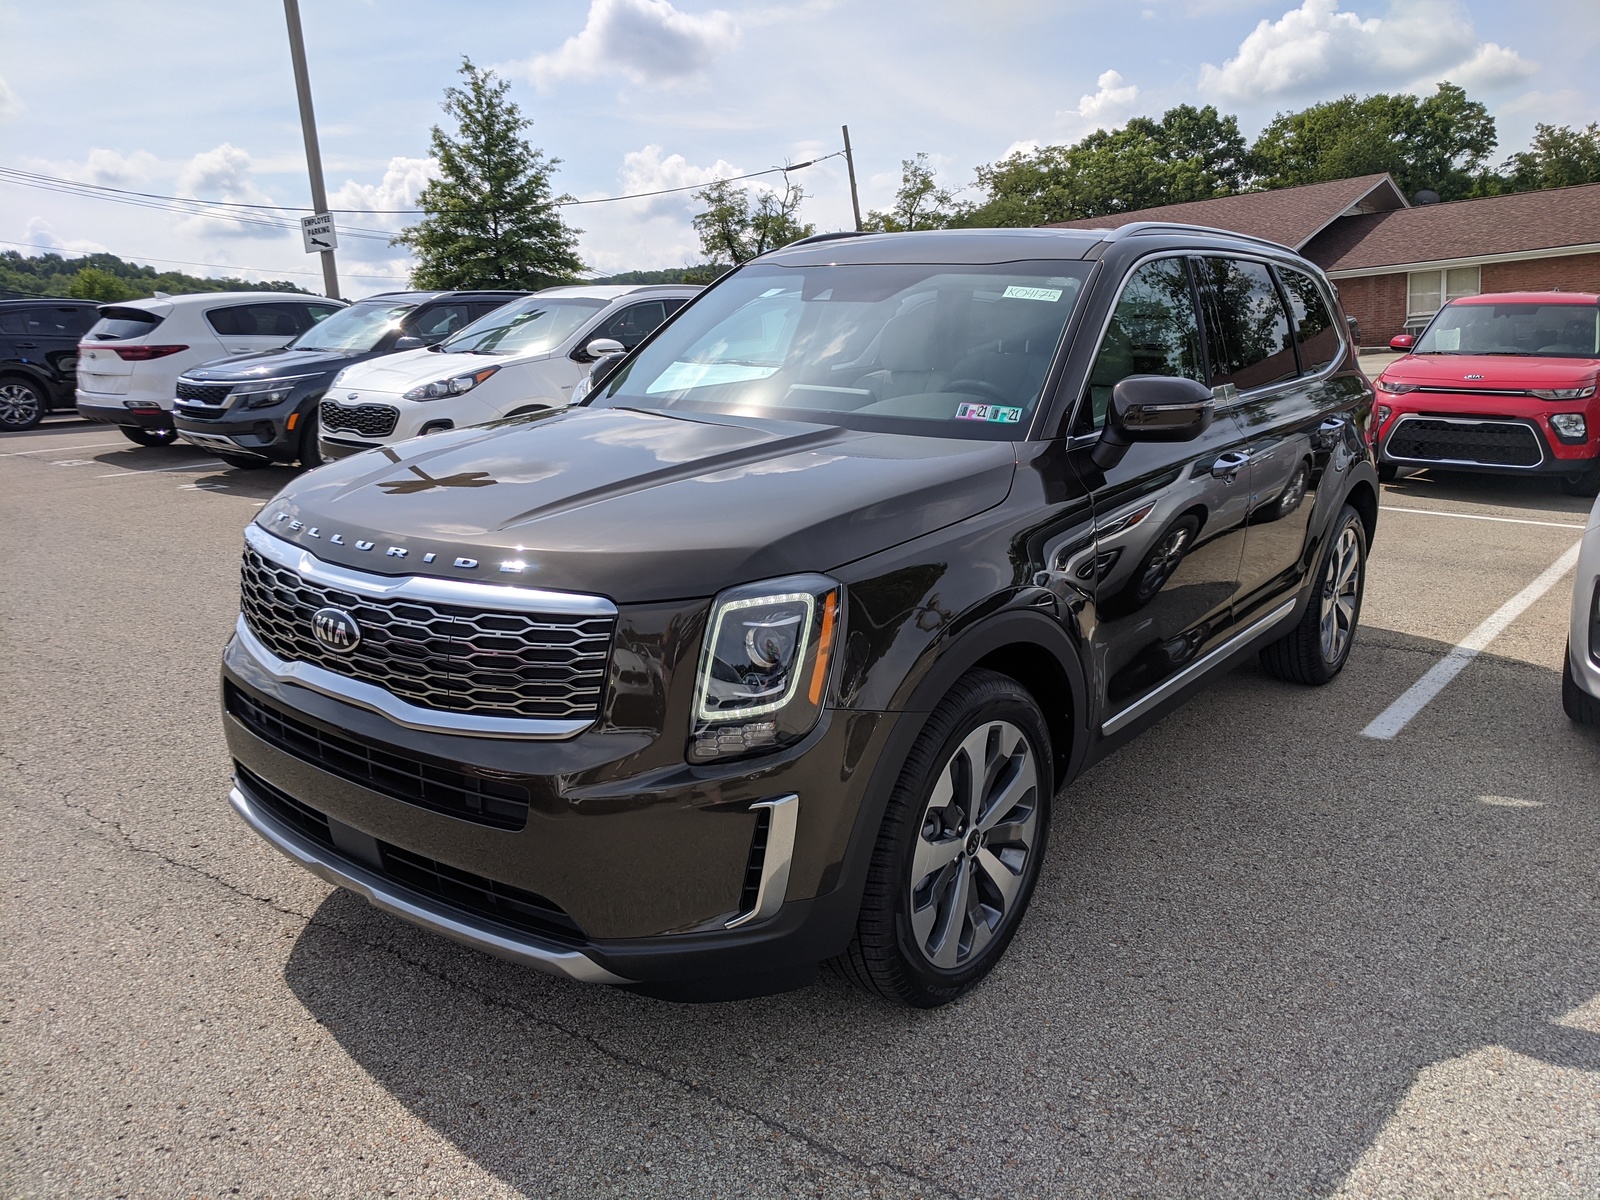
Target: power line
[{"x": 208, "y": 266}]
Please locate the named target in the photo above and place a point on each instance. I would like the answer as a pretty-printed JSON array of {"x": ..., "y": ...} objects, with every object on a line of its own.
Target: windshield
[
  {"x": 1522, "y": 329},
  {"x": 531, "y": 326},
  {"x": 953, "y": 351},
  {"x": 353, "y": 330}
]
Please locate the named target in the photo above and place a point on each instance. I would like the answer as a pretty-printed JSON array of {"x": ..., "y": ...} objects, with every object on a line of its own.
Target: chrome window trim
[
  {"x": 386, "y": 704},
  {"x": 493, "y": 597},
  {"x": 774, "y": 886},
  {"x": 1532, "y": 429},
  {"x": 391, "y": 897},
  {"x": 1143, "y": 705}
]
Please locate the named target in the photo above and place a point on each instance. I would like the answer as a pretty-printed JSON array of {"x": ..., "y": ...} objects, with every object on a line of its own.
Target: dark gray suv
[{"x": 780, "y": 648}]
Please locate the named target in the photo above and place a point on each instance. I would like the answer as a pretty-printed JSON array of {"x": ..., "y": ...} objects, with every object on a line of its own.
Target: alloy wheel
[
  {"x": 19, "y": 406},
  {"x": 1340, "y": 592},
  {"x": 978, "y": 830}
]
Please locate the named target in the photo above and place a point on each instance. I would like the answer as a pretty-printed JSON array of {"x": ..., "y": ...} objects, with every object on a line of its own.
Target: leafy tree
[
  {"x": 1189, "y": 154},
  {"x": 1440, "y": 143},
  {"x": 92, "y": 283},
  {"x": 490, "y": 218},
  {"x": 919, "y": 204},
  {"x": 735, "y": 228},
  {"x": 53, "y": 275},
  {"x": 1558, "y": 157}
]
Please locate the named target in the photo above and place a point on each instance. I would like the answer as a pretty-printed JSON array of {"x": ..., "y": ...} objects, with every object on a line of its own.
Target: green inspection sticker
[
  {"x": 1026, "y": 293},
  {"x": 988, "y": 412}
]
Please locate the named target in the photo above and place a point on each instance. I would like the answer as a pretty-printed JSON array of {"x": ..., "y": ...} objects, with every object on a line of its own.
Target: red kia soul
[{"x": 1502, "y": 383}]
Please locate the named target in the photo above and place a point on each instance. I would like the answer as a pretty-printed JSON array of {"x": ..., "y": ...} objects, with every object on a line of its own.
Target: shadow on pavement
[
  {"x": 1532, "y": 492},
  {"x": 1254, "y": 930}
]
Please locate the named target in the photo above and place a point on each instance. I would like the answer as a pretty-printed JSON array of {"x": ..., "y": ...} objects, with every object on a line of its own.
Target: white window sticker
[
  {"x": 1026, "y": 293},
  {"x": 1447, "y": 339}
]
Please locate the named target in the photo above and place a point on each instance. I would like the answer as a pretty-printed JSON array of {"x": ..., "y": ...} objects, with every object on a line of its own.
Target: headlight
[
  {"x": 764, "y": 665},
  {"x": 1577, "y": 393},
  {"x": 339, "y": 378},
  {"x": 454, "y": 386},
  {"x": 581, "y": 388},
  {"x": 260, "y": 393},
  {"x": 1395, "y": 389},
  {"x": 1570, "y": 427},
  {"x": 1383, "y": 414}
]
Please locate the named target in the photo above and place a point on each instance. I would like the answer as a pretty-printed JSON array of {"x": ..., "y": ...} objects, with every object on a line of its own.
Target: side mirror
[
  {"x": 1402, "y": 343},
  {"x": 1152, "y": 408},
  {"x": 1355, "y": 331},
  {"x": 599, "y": 348},
  {"x": 408, "y": 341}
]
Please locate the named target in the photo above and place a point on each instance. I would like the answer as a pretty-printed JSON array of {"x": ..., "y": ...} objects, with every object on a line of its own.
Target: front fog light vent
[{"x": 766, "y": 875}]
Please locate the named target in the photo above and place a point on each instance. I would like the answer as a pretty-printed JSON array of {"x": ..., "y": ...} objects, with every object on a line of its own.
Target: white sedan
[{"x": 523, "y": 357}]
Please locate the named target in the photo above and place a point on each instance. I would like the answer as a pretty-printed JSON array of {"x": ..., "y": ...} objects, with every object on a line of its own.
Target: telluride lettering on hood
[{"x": 776, "y": 650}]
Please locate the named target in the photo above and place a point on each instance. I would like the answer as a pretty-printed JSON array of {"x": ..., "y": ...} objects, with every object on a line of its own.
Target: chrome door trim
[
  {"x": 392, "y": 898},
  {"x": 1139, "y": 707},
  {"x": 774, "y": 886}
]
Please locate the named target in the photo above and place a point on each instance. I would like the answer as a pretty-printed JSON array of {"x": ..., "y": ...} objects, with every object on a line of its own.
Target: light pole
[
  {"x": 850, "y": 163},
  {"x": 308, "y": 126}
]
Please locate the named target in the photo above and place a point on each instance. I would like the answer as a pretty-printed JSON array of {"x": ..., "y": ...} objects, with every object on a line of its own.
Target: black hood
[
  {"x": 274, "y": 364},
  {"x": 633, "y": 505}
]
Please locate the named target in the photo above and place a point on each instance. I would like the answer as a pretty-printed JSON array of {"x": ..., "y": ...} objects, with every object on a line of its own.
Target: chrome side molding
[{"x": 776, "y": 861}]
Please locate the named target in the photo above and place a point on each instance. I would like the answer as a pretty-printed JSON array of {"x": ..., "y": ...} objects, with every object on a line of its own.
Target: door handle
[
  {"x": 26, "y": 345},
  {"x": 1227, "y": 467}
]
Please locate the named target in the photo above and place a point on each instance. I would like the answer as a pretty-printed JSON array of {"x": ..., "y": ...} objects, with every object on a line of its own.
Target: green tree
[
  {"x": 92, "y": 283},
  {"x": 735, "y": 227},
  {"x": 1189, "y": 154},
  {"x": 490, "y": 218},
  {"x": 1559, "y": 157},
  {"x": 919, "y": 204},
  {"x": 1440, "y": 143}
]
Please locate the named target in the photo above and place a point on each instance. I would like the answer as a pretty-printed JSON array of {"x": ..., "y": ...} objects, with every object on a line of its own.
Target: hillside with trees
[{"x": 107, "y": 278}]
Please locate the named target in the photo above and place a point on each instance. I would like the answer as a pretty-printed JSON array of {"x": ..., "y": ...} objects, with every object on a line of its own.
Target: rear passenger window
[
  {"x": 1315, "y": 332},
  {"x": 257, "y": 320},
  {"x": 1154, "y": 331},
  {"x": 1247, "y": 327},
  {"x": 633, "y": 324},
  {"x": 14, "y": 321},
  {"x": 316, "y": 312},
  {"x": 440, "y": 321}
]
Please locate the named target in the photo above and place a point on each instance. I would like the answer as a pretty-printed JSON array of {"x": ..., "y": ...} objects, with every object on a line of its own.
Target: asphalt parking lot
[{"x": 1270, "y": 955}]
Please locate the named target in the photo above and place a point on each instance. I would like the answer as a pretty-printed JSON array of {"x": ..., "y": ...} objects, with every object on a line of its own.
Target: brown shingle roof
[
  {"x": 1461, "y": 229},
  {"x": 1290, "y": 216}
]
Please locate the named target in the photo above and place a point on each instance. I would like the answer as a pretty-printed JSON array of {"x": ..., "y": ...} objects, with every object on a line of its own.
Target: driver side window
[{"x": 1154, "y": 331}]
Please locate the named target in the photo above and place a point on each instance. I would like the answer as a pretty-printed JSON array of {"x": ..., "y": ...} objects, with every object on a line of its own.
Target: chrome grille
[
  {"x": 442, "y": 657},
  {"x": 369, "y": 420},
  {"x": 1491, "y": 443}
]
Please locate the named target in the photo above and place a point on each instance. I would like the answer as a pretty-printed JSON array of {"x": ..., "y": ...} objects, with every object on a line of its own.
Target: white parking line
[
  {"x": 1434, "y": 512},
  {"x": 1394, "y": 718},
  {"x": 59, "y": 449},
  {"x": 214, "y": 462}
]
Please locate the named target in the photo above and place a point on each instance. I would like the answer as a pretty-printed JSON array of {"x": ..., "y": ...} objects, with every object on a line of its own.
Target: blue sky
[{"x": 190, "y": 98}]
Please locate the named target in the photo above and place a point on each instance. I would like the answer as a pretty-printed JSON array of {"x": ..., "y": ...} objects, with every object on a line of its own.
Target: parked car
[
  {"x": 257, "y": 409},
  {"x": 38, "y": 356},
  {"x": 130, "y": 360},
  {"x": 521, "y": 358},
  {"x": 1503, "y": 383},
  {"x": 779, "y": 648},
  {"x": 1580, "y": 677}
]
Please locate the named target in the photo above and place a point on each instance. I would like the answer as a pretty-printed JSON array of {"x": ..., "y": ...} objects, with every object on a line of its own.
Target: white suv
[
  {"x": 525, "y": 356},
  {"x": 129, "y": 362}
]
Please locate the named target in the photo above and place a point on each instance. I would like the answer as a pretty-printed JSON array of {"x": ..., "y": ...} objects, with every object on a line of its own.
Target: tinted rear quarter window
[
  {"x": 1246, "y": 325},
  {"x": 439, "y": 321},
  {"x": 1315, "y": 332},
  {"x": 1153, "y": 331},
  {"x": 13, "y": 322},
  {"x": 119, "y": 323},
  {"x": 259, "y": 320}
]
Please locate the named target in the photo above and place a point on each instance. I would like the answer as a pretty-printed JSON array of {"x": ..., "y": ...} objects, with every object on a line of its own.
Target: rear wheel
[
  {"x": 1579, "y": 705},
  {"x": 22, "y": 405},
  {"x": 149, "y": 437},
  {"x": 959, "y": 849},
  {"x": 1317, "y": 648}
]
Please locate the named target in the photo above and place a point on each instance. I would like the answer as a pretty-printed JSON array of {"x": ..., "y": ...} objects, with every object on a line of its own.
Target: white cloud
[
  {"x": 225, "y": 172},
  {"x": 1316, "y": 47},
  {"x": 647, "y": 234},
  {"x": 10, "y": 106},
  {"x": 402, "y": 182},
  {"x": 111, "y": 169},
  {"x": 42, "y": 233},
  {"x": 1107, "y": 108},
  {"x": 648, "y": 41}
]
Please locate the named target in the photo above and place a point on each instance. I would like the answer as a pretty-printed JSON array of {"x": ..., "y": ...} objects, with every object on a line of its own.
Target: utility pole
[
  {"x": 850, "y": 163},
  {"x": 308, "y": 126}
]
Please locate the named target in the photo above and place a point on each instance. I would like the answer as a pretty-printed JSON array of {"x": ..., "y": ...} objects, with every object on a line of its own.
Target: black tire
[
  {"x": 887, "y": 956},
  {"x": 149, "y": 437},
  {"x": 310, "y": 453},
  {"x": 1579, "y": 705},
  {"x": 244, "y": 462},
  {"x": 1304, "y": 654},
  {"x": 1586, "y": 484},
  {"x": 22, "y": 404},
  {"x": 1388, "y": 472}
]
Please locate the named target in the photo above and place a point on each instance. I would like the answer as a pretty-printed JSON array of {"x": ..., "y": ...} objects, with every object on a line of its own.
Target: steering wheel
[{"x": 979, "y": 386}]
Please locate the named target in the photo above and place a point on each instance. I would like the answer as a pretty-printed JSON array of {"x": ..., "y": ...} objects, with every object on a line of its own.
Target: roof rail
[
  {"x": 1144, "y": 228},
  {"x": 830, "y": 237}
]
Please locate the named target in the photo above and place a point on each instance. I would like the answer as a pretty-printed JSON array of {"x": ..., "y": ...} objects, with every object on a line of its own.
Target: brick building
[{"x": 1396, "y": 263}]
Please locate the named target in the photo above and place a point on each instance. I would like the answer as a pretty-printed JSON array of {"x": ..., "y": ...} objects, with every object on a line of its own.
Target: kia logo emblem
[{"x": 336, "y": 629}]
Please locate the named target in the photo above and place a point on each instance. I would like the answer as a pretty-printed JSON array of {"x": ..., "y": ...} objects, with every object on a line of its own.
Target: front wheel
[
  {"x": 310, "y": 450},
  {"x": 22, "y": 405},
  {"x": 1578, "y": 704},
  {"x": 243, "y": 462},
  {"x": 149, "y": 437},
  {"x": 1317, "y": 648},
  {"x": 1585, "y": 484},
  {"x": 959, "y": 849}
]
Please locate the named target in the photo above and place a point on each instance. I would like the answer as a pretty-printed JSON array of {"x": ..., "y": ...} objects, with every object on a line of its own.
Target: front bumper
[
  {"x": 262, "y": 432},
  {"x": 1398, "y": 442},
  {"x": 116, "y": 413}
]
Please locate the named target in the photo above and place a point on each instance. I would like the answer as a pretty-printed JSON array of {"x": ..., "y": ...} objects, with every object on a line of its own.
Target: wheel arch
[{"x": 1363, "y": 497}]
